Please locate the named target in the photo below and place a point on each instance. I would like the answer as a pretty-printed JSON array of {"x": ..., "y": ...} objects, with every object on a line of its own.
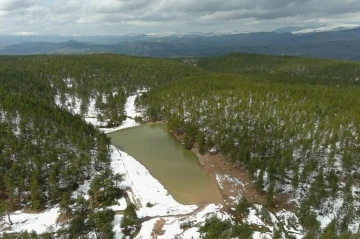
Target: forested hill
[
  {"x": 286, "y": 69},
  {"x": 300, "y": 140},
  {"x": 40, "y": 140},
  {"x": 108, "y": 78},
  {"x": 46, "y": 152}
]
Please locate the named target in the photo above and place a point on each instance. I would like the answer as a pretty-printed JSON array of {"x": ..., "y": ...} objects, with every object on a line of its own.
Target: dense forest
[
  {"x": 292, "y": 123},
  {"x": 45, "y": 151},
  {"x": 286, "y": 69}
]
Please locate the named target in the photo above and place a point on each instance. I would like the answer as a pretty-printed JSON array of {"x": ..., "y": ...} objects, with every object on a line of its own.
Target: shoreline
[
  {"x": 232, "y": 181},
  {"x": 123, "y": 127},
  {"x": 139, "y": 181},
  {"x": 213, "y": 179},
  {"x": 203, "y": 166}
]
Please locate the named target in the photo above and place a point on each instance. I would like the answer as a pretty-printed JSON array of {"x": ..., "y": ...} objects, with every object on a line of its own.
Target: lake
[{"x": 176, "y": 168}]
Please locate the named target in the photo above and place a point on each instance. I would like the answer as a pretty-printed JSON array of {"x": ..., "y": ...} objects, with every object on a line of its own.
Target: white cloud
[
  {"x": 125, "y": 16},
  {"x": 10, "y": 5}
]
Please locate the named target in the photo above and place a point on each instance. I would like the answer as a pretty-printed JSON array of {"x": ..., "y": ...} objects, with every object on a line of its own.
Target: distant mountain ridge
[
  {"x": 334, "y": 43},
  {"x": 331, "y": 28}
]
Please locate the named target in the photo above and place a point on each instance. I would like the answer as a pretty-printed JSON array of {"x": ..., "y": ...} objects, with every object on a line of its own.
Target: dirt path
[
  {"x": 137, "y": 201},
  {"x": 200, "y": 207},
  {"x": 160, "y": 223}
]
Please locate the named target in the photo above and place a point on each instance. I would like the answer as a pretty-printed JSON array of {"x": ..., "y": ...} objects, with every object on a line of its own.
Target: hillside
[
  {"x": 48, "y": 150},
  {"x": 291, "y": 122},
  {"x": 285, "y": 69}
]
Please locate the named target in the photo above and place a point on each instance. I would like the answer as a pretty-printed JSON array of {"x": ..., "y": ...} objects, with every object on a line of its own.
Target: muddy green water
[{"x": 169, "y": 162}]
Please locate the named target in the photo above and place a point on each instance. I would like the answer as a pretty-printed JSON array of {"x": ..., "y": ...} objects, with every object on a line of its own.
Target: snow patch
[
  {"x": 120, "y": 205},
  {"x": 221, "y": 179},
  {"x": 38, "y": 222},
  {"x": 172, "y": 226},
  {"x": 83, "y": 190},
  {"x": 117, "y": 229},
  {"x": 145, "y": 188},
  {"x": 253, "y": 219},
  {"x": 131, "y": 113},
  {"x": 146, "y": 229},
  {"x": 334, "y": 27}
]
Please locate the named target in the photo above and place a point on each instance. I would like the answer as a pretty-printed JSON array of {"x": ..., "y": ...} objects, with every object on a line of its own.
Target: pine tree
[
  {"x": 200, "y": 140},
  {"x": 277, "y": 234},
  {"x": 65, "y": 203},
  {"x": 53, "y": 188},
  {"x": 187, "y": 142},
  {"x": 130, "y": 218},
  {"x": 242, "y": 207},
  {"x": 330, "y": 231},
  {"x": 35, "y": 193}
]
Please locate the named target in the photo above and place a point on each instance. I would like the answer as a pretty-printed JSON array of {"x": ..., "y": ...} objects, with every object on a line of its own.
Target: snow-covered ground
[
  {"x": 172, "y": 225},
  {"x": 117, "y": 229},
  {"x": 72, "y": 104},
  {"x": 261, "y": 217},
  {"x": 120, "y": 205},
  {"x": 131, "y": 113},
  {"x": 82, "y": 190},
  {"x": 38, "y": 222},
  {"x": 145, "y": 188}
]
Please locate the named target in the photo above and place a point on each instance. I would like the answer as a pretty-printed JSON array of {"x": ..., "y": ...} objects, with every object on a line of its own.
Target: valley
[{"x": 262, "y": 146}]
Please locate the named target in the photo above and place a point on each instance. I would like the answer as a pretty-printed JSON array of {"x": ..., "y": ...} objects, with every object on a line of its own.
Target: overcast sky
[{"x": 99, "y": 17}]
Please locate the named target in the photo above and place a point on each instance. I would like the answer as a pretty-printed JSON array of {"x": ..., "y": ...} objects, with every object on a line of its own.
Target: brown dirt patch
[
  {"x": 31, "y": 211},
  {"x": 235, "y": 181},
  {"x": 157, "y": 230},
  {"x": 63, "y": 219}
]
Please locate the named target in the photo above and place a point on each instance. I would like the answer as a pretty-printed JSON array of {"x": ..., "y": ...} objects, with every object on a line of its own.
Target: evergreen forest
[{"x": 292, "y": 123}]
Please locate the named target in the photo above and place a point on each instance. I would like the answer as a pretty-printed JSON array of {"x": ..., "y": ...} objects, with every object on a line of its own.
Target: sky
[{"x": 120, "y": 17}]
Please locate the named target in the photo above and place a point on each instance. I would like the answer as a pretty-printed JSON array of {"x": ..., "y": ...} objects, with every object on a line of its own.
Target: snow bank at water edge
[{"x": 145, "y": 188}]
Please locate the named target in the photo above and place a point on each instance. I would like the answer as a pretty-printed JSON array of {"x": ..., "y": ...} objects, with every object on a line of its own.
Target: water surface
[{"x": 169, "y": 162}]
